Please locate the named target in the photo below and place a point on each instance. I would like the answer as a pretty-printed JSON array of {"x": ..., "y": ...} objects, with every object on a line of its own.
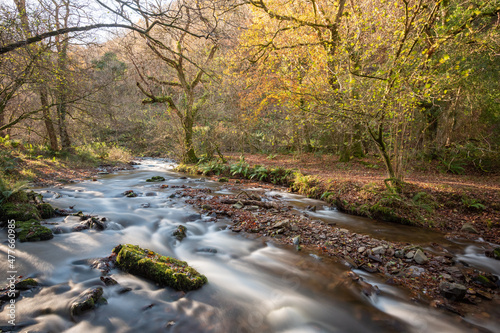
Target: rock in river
[
  {"x": 165, "y": 271},
  {"x": 180, "y": 232},
  {"x": 32, "y": 231},
  {"x": 88, "y": 300}
]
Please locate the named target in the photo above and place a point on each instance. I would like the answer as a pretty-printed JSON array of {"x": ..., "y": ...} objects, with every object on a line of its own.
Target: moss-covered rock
[
  {"x": 180, "y": 232},
  {"x": 20, "y": 212},
  {"x": 19, "y": 196},
  {"x": 156, "y": 179},
  {"x": 165, "y": 271},
  {"x": 87, "y": 301},
  {"x": 26, "y": 284},
  {"x": 496, "y": 253},
  {"x": 46, "y": 210},
  {"x": 32, "y": 231}
]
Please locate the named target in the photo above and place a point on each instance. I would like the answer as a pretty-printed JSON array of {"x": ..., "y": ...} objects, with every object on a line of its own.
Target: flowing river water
[{"x": 254, "y": 286}]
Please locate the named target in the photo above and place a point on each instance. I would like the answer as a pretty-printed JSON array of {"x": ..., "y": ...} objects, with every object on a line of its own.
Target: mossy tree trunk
[
  {"x": 187, "y": 112},
  {"x": 49, "y": 126}
]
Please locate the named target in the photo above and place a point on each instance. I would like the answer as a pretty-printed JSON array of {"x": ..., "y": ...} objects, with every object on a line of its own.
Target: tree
[{"x": 182, "y": 61}]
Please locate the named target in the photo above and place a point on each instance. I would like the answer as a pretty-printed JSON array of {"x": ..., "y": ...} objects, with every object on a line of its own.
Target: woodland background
[{"x": 407, "y": 83}]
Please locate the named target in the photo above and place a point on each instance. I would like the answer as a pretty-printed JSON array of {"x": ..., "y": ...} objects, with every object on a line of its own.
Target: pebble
[{"x": 410, "y": 255}]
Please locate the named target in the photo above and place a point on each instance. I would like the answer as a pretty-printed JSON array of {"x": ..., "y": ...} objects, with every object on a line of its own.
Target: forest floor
[{"x": 455, "y": 202}]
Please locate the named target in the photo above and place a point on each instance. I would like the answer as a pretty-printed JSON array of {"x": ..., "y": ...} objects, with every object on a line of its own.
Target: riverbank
[{"x": 462, "y": 206}]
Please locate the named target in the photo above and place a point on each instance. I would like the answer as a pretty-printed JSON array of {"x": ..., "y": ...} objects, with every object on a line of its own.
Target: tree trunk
[
  {"x": 189, "y": 154},
  {"x": 49, "y": 126}
]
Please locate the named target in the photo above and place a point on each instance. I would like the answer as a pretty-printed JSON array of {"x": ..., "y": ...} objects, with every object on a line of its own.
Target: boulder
[
  {"x": 46, "y": 210},
  {"x": 180, "y": 232},
  {"x": 156, "y": 179},
  {"x": 88, "y": 300},
  {"x": 378, "y": 250},
  {"x": 468, "y": 227},
  {"x": 32, "y": 231},
  {"x": 26, "y": 284},
  {"x": 496, "y": 253},
  {"x": 165, "y": 271},
  {"x": 420, "y": 258},
  {"x": 20, "y": 212},
  {"x": 452, "y": 291}
]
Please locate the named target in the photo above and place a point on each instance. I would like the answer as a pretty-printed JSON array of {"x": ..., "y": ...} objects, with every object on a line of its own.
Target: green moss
[
  {"x": 32, "y": 231},
  {"x": 180, "y": 232},
  {"x": 496, "y": 253},
  {"x": 87, "y": 301},
  {"x": 223, "y": 179},
  {"x": 20, "y": 212},
  {"x": 19, "y": 197},
  {"x": 26, "y": 284},
  {"x": 46, "y": 211},
  {"x": 165, "y": 271},
  {"x": 156, "y": 179}
]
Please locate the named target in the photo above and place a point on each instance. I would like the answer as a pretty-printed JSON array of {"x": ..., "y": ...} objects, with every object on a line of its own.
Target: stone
[
  {"x": 165, "y": 271},
  {"x": 46, "y": 210},
  {"x": 361, "y": 249},
  {"x": 413, "y": 271},
  {"x": 206, "y": 207},
  {"x": 468, "y": 227},
  {"x": 452, "y": 291},
  {"x": 281, "y": 224},
  {"x": 130, "y": 194},
  {"x": 156, "y": 179},
  {"x": 27, "y": 284},
  {"x": 447, "y": 277},
  {"x": 420, "y": 258},
  {"x": 207, "y": 250},
  {"x": 410, "y": 255},
  {"x": 389, "y": 252},
  {"x": 32, "y": 231},
  {"x": 20, "y": 212},
  {"x": 238, "y": 205},
  {"x": 88, "y": 300},
  {"x": 496, "y": 253},
  {"x": 180, "y": 232},
  {"x": 108, "y": 280},
  {"x": 399, "y": 254},
  {"x": 378, "y": 250}
]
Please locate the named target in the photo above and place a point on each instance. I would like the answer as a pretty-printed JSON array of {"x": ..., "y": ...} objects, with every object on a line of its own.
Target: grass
[{"x": 28, "y": 162}]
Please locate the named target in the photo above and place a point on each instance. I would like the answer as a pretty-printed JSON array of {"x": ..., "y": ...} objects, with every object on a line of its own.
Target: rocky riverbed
[{"x": 428, "y": 271}]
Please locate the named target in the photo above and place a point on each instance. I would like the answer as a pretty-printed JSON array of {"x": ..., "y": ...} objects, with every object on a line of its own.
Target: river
[{"x": 254, "y": 286}]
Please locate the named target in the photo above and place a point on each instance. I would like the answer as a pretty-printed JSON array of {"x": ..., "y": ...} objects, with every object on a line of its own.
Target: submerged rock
[
  {"x": 180, "y": 232},
  {"x": 32, "y": 231},
  {"x": 26, "y": 284},
  {"x": 108, "y": 280},
  {"x": 165, "y": 271},
  {"x": 156, "y": 179},
  {"x": 88, "y": 300}
]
